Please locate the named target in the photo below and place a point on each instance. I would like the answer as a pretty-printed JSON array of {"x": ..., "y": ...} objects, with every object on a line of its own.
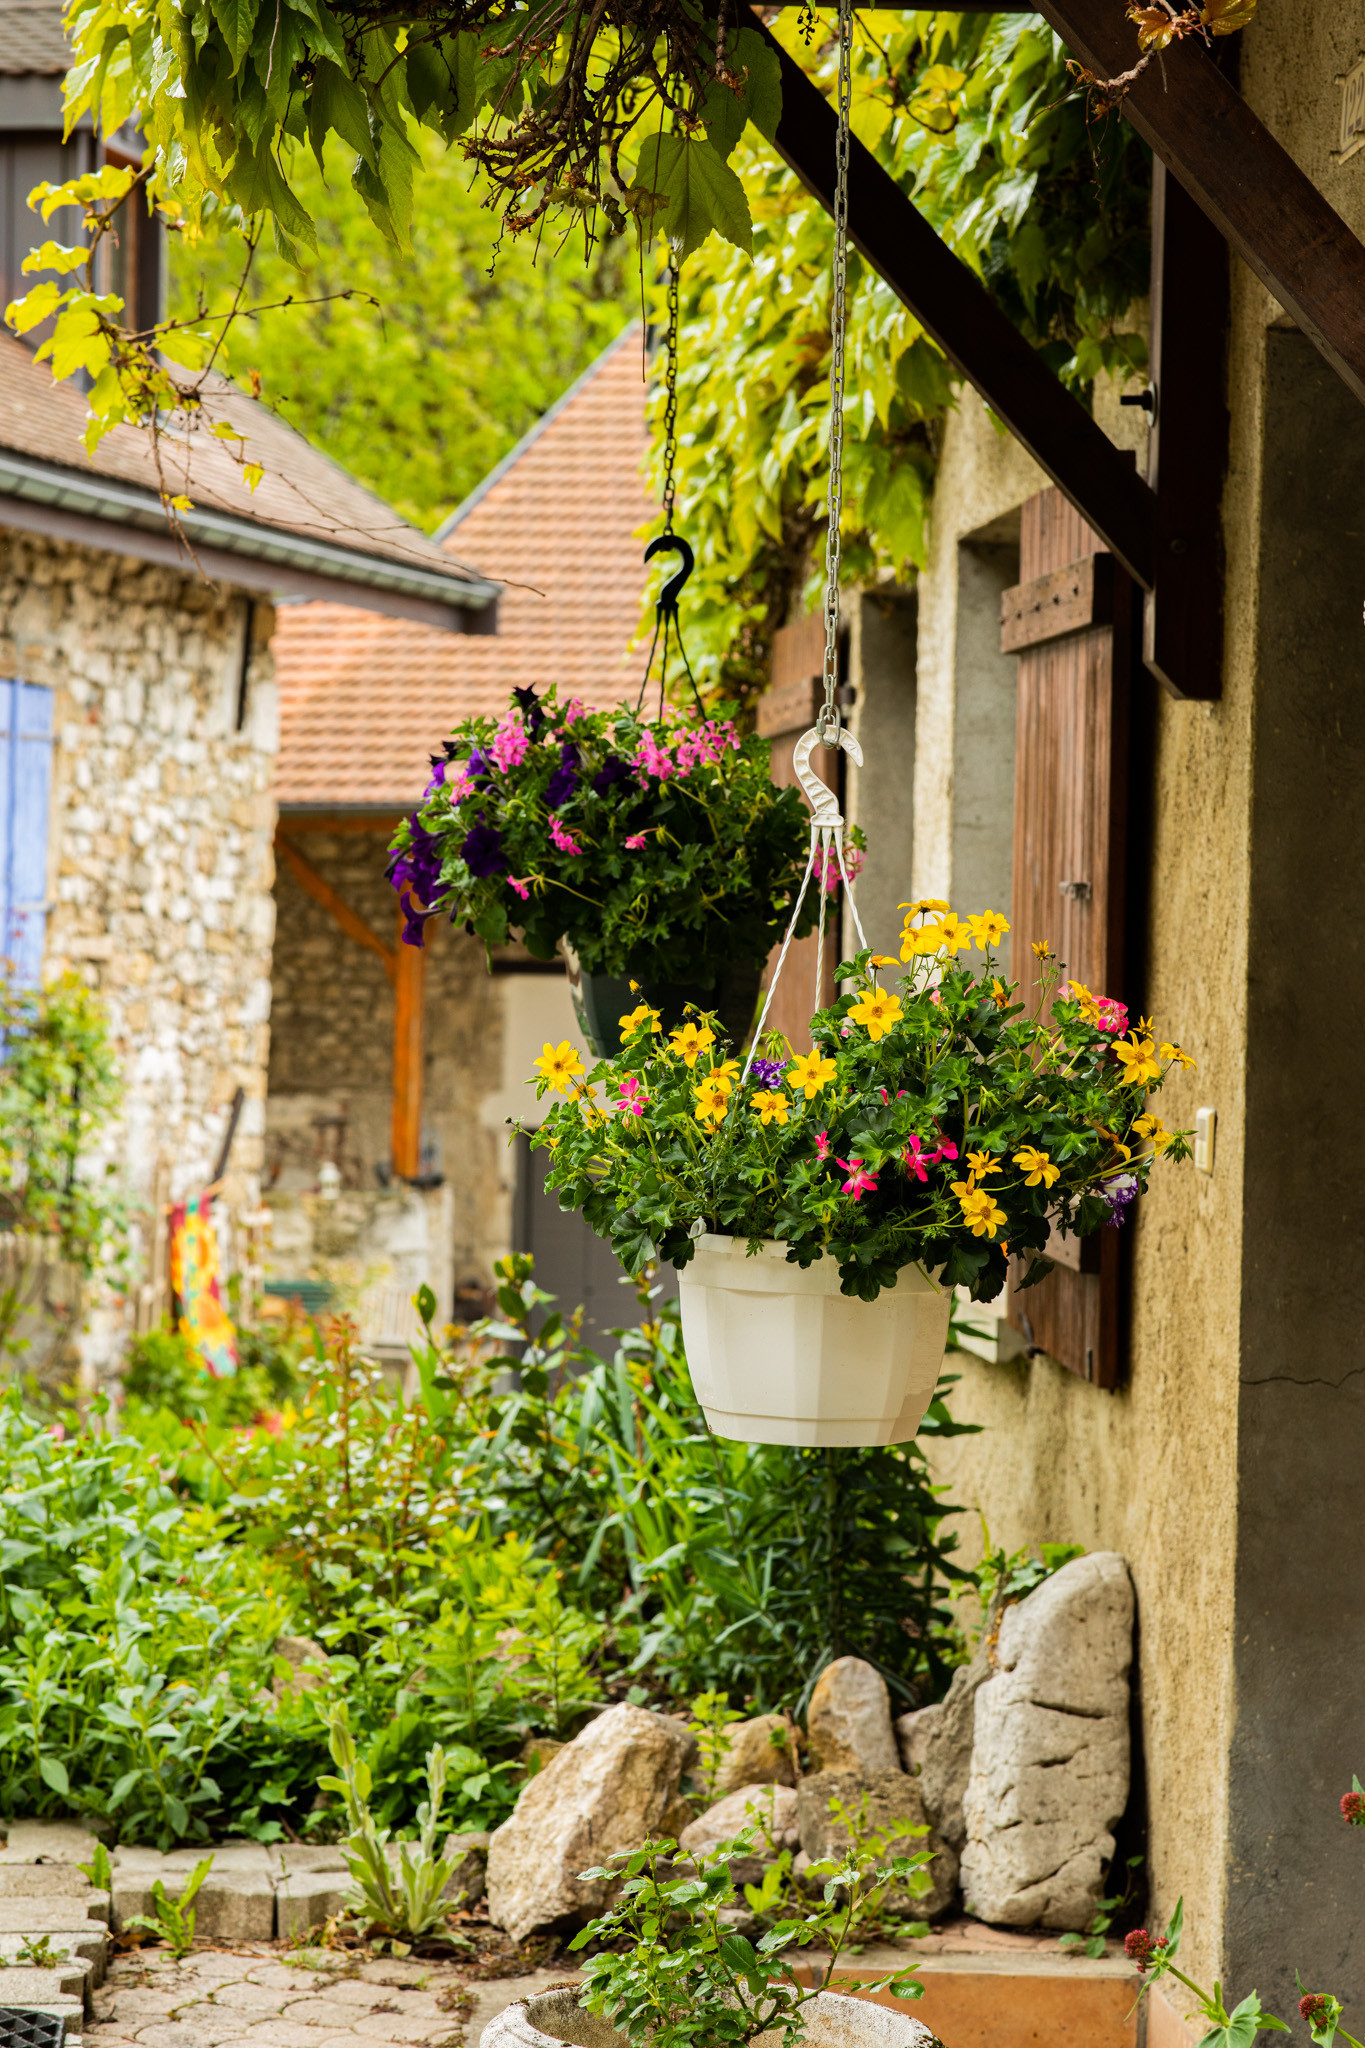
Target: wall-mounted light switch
[{"x": 1205, "y": 1134}]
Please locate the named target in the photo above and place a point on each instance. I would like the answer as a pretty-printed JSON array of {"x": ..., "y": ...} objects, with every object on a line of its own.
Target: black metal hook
[{"x": 667, "y": 606}]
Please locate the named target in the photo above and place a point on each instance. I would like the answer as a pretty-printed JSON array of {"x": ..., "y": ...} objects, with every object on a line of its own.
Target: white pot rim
[{"x": 777, "y": 1248}]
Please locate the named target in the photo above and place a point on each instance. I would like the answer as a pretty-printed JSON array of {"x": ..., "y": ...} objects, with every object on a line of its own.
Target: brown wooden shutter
[
  {"x": 1071, "y": 621},
  {"x": 786, "y": 710}
]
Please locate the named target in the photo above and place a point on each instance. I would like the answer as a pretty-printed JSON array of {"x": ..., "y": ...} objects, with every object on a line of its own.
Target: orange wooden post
[{"x": 409, "y": 987}]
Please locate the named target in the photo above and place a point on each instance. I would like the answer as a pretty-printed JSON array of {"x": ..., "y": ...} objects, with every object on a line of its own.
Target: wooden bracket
[
  {"x": 320, "y": 889},
  {"x": 1064, "y": 601}
]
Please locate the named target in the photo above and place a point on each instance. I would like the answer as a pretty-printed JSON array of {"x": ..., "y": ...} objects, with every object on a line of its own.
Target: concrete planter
[
  {"x": 832, "y": 2022},
  {"x": 779, "y": 1356}
]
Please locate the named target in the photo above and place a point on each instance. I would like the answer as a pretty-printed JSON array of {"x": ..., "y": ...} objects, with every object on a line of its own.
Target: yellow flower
[
  {"x": 1150, "y": 1126},
  {"x": 638, "y": 1018},
  {"x": 923, "y": 903},
  {"x": 712, "y": 1101},
  {"x": 689, "y": 1040},
  {"x": 963, "y": 1188},
  {"x": 883, "y": 960},
  {"x": 1000, "y": 993},
  {"x": 560, "y": 1064},
  {"x": 920, "y": 938},
  {"x": 725, "y": 1075},
  {"x": 1089, "y": 1007},
  {"x": 1139, "y": 1065},
  {"x": 877, "y": 1010},
  {"x": 811, "y": 1071},
  {"x": 1182, "y": 1059},
  {"x": 770, "y": 1105},
  {"x": 986, "y": 1221},
  {"x": 1041, "y": 950},
  {"x": 989, "y": 928},
  {"x": 983, "y": 1163},
  {"x": 955, "y": 935},
  {"x": 1037, "y": 1166}
]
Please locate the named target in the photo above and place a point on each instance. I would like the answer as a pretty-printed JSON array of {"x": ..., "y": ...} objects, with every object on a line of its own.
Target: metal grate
[{"x": 22, "y": 2028}]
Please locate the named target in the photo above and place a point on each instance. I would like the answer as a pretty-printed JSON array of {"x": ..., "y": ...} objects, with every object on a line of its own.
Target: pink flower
[
  {"x": 522, "y": 888},
  {"x": 826, "y": 870},
  {"x": 654, "y": 759},
  {"x": 914, "y": 1158},
  {"x": 859, "y": 1179},
  {"x": 574, "y": 710},
  {"x": 510, "y": 742},
  {"x": 945, "y": 1149},
  {"x": 632, "y": 1094},
  {"x": 635, "y": 841},
  {"x": 565, "y": 841},
  {"x": 458, "y": 791},
  {"x": 822, "y": 1144},
  {"x": 1113, "y": 1016}
]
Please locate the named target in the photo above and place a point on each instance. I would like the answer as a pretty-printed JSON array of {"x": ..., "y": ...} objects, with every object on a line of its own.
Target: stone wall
[{"x": 160, "y": 857}]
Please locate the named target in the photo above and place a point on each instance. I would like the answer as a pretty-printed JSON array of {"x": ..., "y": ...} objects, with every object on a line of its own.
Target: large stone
[
  {"x": 469, "y": 1854},
  {"x": 879, "y": 1800},
  {"x": 753, "y": 1757},
  {"x": 606, "y": 1791},
  {"x": 1050, "y": 1761},
  {"x": 912, "y": 1736},
  {"x": 770, "y": 1810},
  {"x": 946, "y": 1758},
  {"x": 849, "y": 1719}
]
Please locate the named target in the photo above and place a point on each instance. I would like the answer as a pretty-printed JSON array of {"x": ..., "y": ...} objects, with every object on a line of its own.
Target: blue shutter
[{"x": 25, "y": 803}]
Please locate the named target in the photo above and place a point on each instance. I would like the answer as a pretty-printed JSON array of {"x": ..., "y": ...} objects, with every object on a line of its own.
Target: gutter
[{"x": 67, "y": 504}]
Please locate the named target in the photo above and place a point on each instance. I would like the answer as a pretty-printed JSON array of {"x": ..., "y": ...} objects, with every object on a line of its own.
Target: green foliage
[
  {"x": 935, "y": 1127},
  {"x": 535, "y": 826},
  {"x": 671, "y": 1973},
  {"x": 402, "y": 1897},
  {"x": 1092, "y": 1942},
  {"x": 165, "y": 1372},
  {"x": 172, "y": 1920},
  {"x": 1236, "y": 2029},
  {"x": 411, "y": 369},
  {"x": 1011, "y": 184},
  {"x": 1005, "y": 1576},
  {"x": 58, "y": 1089}
]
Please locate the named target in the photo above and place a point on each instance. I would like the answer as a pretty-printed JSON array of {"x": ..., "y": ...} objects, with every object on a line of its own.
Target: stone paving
[{"x": 270, "y": 1997}]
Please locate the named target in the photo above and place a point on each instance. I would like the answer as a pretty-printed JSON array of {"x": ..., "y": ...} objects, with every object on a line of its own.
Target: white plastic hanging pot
[{"x": 779, "y": 1356}]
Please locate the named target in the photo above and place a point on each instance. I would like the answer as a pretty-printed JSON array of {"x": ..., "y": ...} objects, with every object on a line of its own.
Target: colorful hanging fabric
[{"x": 200, "y": 1315}]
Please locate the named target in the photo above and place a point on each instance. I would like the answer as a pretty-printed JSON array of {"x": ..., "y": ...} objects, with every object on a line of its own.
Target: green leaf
[
  {"x": 53, "y": 1773},
  {"x": 236, "y": 20},
  {"x": 764, "y": 67},
  {"x": 702, "y": 194}
]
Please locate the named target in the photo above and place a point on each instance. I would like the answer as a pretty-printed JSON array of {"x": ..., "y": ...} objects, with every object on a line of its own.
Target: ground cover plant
[
  {"x": 947, "y": 1121},
  {"x": 474, "y": 1569}
]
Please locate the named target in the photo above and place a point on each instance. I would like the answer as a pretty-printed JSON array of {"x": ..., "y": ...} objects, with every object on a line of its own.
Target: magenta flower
[
  {"x": 859, "y": 1181},
  {"x": 632, "y": 1094},
  {"x": 822, "y": 1144},
  {"x": 1113, "y": 1017},
  {"x": 565, "y": 841},
  {"x": 654, "y": 759},
  {"x": 914, "y": 1158},
  {"x": 574, "y": 710},
  {"x": 522, "y": 888},
  {"x": 945, "y": 1149},
  {"x": 635, "y": 841}
]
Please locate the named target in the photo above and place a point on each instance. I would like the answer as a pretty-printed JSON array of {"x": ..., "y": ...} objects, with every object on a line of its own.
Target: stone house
[
  {"x": 138, "y": 716},
  {"x": 393, "y": 1070},
  {"x": 1172, "y": 800}
]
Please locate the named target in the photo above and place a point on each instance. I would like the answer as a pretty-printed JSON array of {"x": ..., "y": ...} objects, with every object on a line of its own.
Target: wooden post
[{"x": 409, "y": 991}]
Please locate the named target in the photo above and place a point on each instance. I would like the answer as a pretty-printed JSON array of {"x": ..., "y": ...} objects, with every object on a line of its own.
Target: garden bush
[{"x": 541, "y": 1531}]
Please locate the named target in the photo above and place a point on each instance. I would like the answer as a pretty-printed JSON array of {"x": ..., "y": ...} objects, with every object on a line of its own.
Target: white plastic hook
[{"x": 822, "y": 799}]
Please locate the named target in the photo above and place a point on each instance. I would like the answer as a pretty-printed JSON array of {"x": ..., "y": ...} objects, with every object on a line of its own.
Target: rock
[
  {"x": 893, "y": 1801},
  {"x": 679, "y": 1814},
  {"x": 751, "y": 1756},
  {"x": 912, "y": 1736},
  {"x": 1050, "y": 1760},
  {"x": 307, "y": 1899},
  {"x": 469, "y": 1853},
  {"x": 50, "y": 1841},
  {"x": 606, "y": 1791},
  {"x": 947, "y": 1760},
  {"x": 849, "y": 1720},
  {"x": 537, "y": 1751},
  {"x": 299, "y": 1652},
  {"x": 770, "y": 1810}
]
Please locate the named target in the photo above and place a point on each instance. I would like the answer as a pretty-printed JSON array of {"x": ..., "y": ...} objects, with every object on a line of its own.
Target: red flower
[
  {"x": 1142, "y": 1949},
  {"x": 1316, "y": 2009},
  {"x": 1353, "y": 1808}
]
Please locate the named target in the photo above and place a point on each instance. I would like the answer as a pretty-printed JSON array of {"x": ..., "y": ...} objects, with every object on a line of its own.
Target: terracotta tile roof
[
  {"x": 365, "y": 700},
  {"x": 303, "y": 493},
  {"x": 31, "y": 39}
]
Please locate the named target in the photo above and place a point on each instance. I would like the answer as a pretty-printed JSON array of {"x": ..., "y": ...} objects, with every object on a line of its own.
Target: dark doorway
[{"x": 572, "y": 1262}]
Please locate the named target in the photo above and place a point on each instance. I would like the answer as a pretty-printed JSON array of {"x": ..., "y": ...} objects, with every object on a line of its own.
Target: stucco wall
[{"x": 160, "y": 863}]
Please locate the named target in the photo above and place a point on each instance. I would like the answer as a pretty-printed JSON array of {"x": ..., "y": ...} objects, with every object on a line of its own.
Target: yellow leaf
[
  {"x": 1225, "y": 17},
  {"x": 1154, "y": 26},
  {"x": 222, "y": 430},
  {"x": 252, "y": 472},
  {"x": 55, "y": 256},
  {"x": 37, "y": 305},
  {"x": 942, "y": 78},
  {"x": 179, "y": 503}
]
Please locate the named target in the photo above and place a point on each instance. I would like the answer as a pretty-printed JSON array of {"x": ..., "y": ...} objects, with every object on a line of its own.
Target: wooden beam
[
  {"x": 320, "y": 889},
  {"x": 1232, "y": 166},
  {"x": 1061, "y": 602},
  {"x": 955, "y": 308},
  {"x": 409, "y": 991},
  {"x": 386, "y": 822},
  {"x": 1187, "y": 455}
]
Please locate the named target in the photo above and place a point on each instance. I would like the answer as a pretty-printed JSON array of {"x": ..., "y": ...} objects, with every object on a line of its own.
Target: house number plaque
[{"x": 1352, "y": 112}]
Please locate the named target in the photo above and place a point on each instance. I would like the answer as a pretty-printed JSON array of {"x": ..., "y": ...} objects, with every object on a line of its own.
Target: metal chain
[
  {"x": 827, "y": 722},
  {"x": 671, "y": 407}
]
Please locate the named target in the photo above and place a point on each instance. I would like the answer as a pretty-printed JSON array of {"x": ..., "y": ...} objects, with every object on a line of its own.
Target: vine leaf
[
  {"x": 701, "y": 193},
  {"x": 726, "y": 111}
]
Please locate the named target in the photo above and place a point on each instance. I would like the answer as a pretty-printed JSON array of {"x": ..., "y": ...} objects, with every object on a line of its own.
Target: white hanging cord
[
  {"x": 827, "y": 724},
  {"x": 786, "y": 943}
]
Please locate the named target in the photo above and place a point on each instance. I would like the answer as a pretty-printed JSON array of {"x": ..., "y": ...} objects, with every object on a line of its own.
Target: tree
[{"x": 436, "y": 359}]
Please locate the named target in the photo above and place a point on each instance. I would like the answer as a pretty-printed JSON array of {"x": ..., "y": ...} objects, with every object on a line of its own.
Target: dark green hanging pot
[{"x": 601, "y": 1000}]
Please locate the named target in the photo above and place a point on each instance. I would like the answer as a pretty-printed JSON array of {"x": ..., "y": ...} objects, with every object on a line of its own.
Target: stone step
[
  {"x": 53, "y": 1916},
  {"x": 88, "y": 1954},
  {"x": 63, "y": 1986}
]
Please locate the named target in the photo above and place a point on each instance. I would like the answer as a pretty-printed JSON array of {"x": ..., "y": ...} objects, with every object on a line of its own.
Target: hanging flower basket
[
  {"x": 655, "y": 851},
  {"x": 779, "y": 1355}
]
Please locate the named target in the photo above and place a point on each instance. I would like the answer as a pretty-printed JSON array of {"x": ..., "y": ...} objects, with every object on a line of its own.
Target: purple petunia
[
  {"x": 767, "y": 1073},
  {"x": 418, "y": 867},
  {"x": 477, "y": 766},
  {"x": 1118, "y": 1193},
  {"x": 613, "y": 770},
  {"x": 564, "y": 781},
  {"x": 482, "y": 850},
  {"x": 530, "y": 710}
]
